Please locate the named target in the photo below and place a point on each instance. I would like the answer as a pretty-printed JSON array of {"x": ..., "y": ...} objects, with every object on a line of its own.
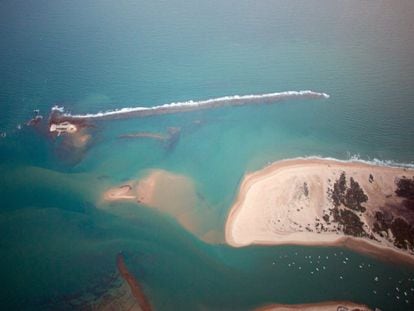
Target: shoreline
[
  {"x": 323, "y": 306},
  {"x": 362, "y": 245}
]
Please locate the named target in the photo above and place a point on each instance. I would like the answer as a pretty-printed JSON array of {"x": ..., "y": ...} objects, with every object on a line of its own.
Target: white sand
[
  {"x": 323, "y": 306},
  {"x": 119, "y": 193},
  {"x": 272, "y": 207}
]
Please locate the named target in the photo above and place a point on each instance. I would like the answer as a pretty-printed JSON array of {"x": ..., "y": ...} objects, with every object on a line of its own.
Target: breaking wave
[
  {"x": 356, "y": 159},
  {"x": 191, "y": 105}
]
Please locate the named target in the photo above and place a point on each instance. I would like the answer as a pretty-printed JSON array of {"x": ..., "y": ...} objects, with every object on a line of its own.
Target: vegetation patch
[
  {"x": 405, "y": 189},
  {"x": 346, "y": 201},
  {"x": 401, "y": 230},
  {"x": 351, "y": 197},
  {"x": 371, "y": 178},
  {"x": 348, "y": 198},
  {"x": 350, "y": 222}
]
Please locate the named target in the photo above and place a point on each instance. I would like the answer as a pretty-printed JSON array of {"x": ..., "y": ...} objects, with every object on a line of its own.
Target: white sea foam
[
  {"x": 357, "y": 159},
  {"x": 193, "y": 105},
  {"x": 57, "y": 108}
]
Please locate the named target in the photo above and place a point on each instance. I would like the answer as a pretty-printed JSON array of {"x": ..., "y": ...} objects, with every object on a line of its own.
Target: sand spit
[
  {"x": 172, "y": 194},
  {"x": 292, "y": 202},
  {"x": 159, "y": 189},
  {"x": 135, "y": 287},
  {"x": 119, "y": 193},
  {"x": 323, "y": 306}
]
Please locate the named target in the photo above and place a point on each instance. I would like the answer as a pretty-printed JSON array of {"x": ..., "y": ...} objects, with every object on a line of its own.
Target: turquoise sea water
[{"x": 99, "y": 55}]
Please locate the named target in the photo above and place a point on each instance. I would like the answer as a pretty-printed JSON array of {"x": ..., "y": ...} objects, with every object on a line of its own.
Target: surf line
[{"x": 59, "y": 115}]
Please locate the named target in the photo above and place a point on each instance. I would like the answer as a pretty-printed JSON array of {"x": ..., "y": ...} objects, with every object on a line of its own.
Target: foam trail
[
  {"x": 355, "y": 159},
  {"x": 236, "y": 100}
]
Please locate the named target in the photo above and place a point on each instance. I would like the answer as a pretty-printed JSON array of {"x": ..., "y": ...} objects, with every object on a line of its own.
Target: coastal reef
[{"x": 115, "y": 292}]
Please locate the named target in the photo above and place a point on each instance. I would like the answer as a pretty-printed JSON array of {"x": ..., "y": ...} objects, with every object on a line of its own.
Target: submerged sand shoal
[
  {"x": 173, "y": 194},
  {"x": 273, "y": 208}
]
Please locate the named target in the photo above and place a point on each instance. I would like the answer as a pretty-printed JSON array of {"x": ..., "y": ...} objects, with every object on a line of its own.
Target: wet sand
[
  {"x": 119, "y": 193},
  {"x": 173, "y": 194},
  {"x": 271, "y": 207},
  {"x": 323, "y": 306}
]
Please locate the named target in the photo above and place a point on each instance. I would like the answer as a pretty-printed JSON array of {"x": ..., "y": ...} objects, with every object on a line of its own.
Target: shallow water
[{"x": 90, "y": 56}]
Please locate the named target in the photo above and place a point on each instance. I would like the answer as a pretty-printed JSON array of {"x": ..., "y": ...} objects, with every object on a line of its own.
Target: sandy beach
[
  {"x": 323, "y": 306},
  {"x": 290, "y": 202}
]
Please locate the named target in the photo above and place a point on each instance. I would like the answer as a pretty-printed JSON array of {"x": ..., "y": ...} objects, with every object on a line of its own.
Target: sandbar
[
  {"x": 119, "y": 193},
  {"x": 172, "y": 194},
  {"x": 288, "y": 202},
  {"x": 135, "y": 287}
]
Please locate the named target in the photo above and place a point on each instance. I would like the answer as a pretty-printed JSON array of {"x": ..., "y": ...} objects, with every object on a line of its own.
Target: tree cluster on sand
[
  {"x": 405, "y": 189},
  {"x": 346, "y": 201},
  {"x": 351, "y": 197},
  {"x": 385, "y": 223}
]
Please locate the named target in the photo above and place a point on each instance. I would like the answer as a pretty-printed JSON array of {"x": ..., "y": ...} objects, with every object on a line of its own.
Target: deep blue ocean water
[{"x": 90, "y": 56}]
